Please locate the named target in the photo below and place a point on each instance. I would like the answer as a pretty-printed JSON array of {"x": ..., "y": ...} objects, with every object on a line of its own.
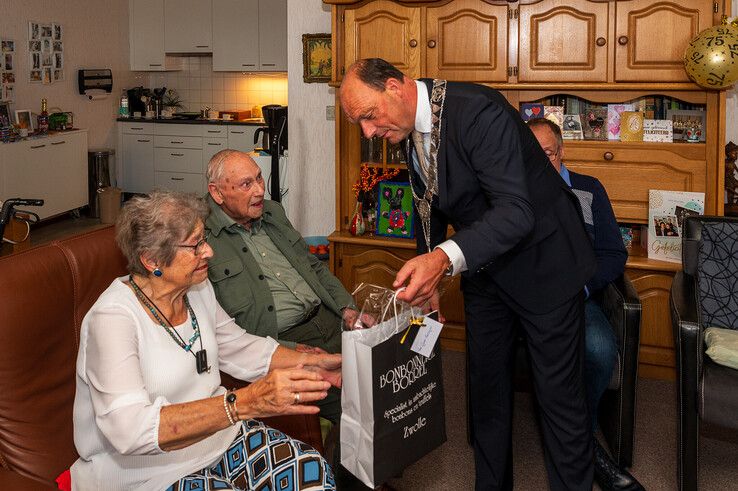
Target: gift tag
[{"x": 427, "y": 336}]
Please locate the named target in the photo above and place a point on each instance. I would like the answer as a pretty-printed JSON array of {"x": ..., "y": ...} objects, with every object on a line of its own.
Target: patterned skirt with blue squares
[{"x": 262, "y": 459}]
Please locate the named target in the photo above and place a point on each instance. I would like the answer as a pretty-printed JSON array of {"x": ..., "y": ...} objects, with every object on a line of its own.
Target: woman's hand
[{"x": 283, "y": 391}]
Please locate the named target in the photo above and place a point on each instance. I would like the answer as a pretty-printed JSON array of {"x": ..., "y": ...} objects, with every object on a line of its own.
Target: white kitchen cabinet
[
  {"x": 273, "y": 35},
  {"x": 188, "y": 26},
  {"x": 241, "y": 137},
  {"x": 146, "y": 36},
  {"x": 136, "y": 152},
  {"x": 53, "y": 169},
  {"x": 250, "y": 35}
]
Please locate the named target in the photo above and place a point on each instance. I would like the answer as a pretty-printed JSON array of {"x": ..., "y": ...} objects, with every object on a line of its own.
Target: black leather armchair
[
  {"x": 622, "y": 306},
  {"x": 704, "y": 294}
]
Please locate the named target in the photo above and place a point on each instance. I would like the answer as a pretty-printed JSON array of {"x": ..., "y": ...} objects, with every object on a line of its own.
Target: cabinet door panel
[
  {"x": 235, "y": 35},
  {"x": 138, "y": 163},
  {"x": 273, "y": 35},
  {"x": 178, "y": 160},
  {"x": 188, "y": 26},
  {"x": 383, "y": 29},
  {"x": 467, "y": 40},
  {"x": 241, "y": 138},
  {"x": 651, "y": 38},
  {"x": 628, "y": 171},
  {"x": 180, "y": 181},
  {"x": 561, "y": 43},
  {"x": 147, "y": 34}
]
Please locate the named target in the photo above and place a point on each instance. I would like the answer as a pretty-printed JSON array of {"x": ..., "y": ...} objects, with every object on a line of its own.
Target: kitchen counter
[{"x": 248, "y": 122}]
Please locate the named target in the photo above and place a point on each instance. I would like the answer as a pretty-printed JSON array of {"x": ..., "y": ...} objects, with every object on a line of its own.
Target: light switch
[{"x": 330, "y": 113}]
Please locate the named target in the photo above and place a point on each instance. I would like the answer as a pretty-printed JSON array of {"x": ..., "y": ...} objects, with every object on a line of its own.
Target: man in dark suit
[
  {"x": 519, "y": 244},
  {"x": 600, "y": 343}
]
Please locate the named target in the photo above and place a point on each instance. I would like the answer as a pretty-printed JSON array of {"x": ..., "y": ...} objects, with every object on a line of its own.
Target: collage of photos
[
  {"x": 46, "y": 52},
  {"x": 7, "y": 70}
]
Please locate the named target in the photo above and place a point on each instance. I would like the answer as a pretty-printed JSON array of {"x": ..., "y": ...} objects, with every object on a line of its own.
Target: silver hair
[
  {"x": 154, "y": 224},
  {"x": 217, "y": 161}
]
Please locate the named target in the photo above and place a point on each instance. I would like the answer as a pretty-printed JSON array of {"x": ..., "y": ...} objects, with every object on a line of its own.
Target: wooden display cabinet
[{"x": 602, "y": 51}]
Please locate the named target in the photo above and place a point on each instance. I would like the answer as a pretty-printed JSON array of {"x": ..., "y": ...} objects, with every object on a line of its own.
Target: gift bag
[{"x": 392, "y": 398}]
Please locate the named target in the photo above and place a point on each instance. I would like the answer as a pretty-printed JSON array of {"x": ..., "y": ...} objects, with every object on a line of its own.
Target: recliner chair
[
  {"x": 704, "y": 294},
  {"x": 622, "y": 306}
]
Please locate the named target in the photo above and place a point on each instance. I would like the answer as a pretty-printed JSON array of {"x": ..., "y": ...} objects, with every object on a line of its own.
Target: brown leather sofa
[{"x": 45, "y": 292}]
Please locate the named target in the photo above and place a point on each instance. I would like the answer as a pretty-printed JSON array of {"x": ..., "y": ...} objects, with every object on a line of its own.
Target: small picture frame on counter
[
  {"x": 316, "y": 58},
  {"x": 24, "y": 120}
]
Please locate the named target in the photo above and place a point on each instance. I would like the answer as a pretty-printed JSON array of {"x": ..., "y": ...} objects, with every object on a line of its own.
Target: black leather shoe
[{"x": 609, "y": 476}]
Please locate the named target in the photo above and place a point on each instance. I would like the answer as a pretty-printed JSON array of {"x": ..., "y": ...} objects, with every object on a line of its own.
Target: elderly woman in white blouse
[{"x": 149, "y": 410}]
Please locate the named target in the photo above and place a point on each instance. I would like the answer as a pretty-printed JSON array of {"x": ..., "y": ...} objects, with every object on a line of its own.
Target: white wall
[
  {"x": 311, "y": 175},
  {"x": 95, "y": 36}
]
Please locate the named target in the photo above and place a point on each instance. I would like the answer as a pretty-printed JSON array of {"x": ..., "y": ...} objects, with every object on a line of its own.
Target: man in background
[{"x": 599, "y": 337}]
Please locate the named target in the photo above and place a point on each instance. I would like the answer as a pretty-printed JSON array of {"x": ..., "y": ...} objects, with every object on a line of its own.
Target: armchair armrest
[
  {"x": 622, "y": 306},
  {"x": 687, "y": 338}
]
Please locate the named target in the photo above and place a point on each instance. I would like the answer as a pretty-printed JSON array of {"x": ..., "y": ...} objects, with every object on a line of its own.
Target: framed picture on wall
[
  {"x": 316, "y": 58},
  {"x": 395, "y": 210}
]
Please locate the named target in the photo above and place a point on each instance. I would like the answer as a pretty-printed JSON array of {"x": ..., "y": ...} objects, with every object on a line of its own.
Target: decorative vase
[
  {"x": 356, "y": 227},
  {"x": 370, "y": 211}
]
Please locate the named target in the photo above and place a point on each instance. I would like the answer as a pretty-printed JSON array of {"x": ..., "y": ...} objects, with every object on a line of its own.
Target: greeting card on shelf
[
  {"x": 530, "y": 110},
  {"x": 666, "y": 213},
  {"x": 594, "y": 122},
  {"x": 631, "y": 126},
  {"x": 657, "y": 130},
  {"x": 572, "y": 127},
  {"x": 613, "y": 119},
  {"x": 555, "y": 114}
]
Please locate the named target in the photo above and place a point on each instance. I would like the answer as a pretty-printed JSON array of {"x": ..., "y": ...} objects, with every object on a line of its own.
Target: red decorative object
[{"x": 356, "y": 227}]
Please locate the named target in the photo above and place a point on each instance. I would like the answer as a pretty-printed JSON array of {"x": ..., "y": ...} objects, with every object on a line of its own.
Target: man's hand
[
  {"x": 328, "y": 366},
  {"x": 352, "y": 321},
  {"x": 304, "y": 348},
  {"x": 422, "y": 275}
]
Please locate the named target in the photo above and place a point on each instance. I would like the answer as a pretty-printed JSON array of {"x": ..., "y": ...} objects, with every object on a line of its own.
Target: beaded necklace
[{"x": 201, "y": 357}]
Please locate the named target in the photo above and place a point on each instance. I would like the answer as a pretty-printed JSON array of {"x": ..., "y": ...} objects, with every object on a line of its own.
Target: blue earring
[{"x": 157, "y": 272}]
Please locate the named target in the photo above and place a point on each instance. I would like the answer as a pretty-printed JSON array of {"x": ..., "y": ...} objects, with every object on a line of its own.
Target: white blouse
[{"x": 128, "y": 367}]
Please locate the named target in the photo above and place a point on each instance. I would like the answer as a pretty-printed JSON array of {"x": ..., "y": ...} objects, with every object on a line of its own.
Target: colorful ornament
[
  {"x": 711, "y": 59},
  {"x": 357, "y": 227}
]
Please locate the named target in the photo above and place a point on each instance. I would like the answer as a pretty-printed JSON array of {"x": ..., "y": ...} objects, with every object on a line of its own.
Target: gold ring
[{"x": 297, "y": 398}]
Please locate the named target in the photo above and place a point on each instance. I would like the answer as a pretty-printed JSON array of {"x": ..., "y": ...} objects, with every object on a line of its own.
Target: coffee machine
[{"x": 275, "y": 118}]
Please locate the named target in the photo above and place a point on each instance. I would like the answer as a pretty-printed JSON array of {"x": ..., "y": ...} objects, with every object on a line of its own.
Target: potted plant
[{"x": 170, "y": 103}]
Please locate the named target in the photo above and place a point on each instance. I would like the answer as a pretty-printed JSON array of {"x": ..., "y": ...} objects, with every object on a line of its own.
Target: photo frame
[
  {"x": 24, "y": 120},
  {"x": 317, "y": 65},
  {"x": 5, "y": 111},
  {"x": 681, "y": 118},
  {"x": 395, "y": 210}
]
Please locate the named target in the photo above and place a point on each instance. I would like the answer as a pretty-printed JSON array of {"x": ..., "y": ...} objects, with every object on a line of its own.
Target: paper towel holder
[{"x": 90, "y": 79}]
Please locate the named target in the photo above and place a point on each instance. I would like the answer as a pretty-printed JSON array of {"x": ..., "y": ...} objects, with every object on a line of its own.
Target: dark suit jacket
[
  {"x": 600, "y": 222},
  {"x": 516, "y": 221}
]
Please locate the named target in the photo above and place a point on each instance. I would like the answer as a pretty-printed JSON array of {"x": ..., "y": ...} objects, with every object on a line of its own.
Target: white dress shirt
[
  {"x": 128, "y": 368},
  {"x": 423, "y": 125}
]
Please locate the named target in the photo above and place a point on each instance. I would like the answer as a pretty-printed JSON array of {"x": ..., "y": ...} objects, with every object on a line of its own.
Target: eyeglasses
[
  {"x": 552, "y": 154},
  {"x": 199, "y": 247}
]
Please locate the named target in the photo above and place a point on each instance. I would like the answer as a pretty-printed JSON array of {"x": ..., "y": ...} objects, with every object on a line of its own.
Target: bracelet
[
  {"x": 231, "y": 398},
  {"x": 227, "y": 409}
]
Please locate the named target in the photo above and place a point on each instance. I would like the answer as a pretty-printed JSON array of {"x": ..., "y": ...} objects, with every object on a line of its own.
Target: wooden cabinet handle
[
  {"x": 413, "y": 43},
  {"x": 248, "y": 64},
  {"x": 431, "y": 44},
  {"x": 237, "y": 132},
  {"x": 174, "y": 142},
  {"x": 59, "y": 143},
  {"x": 268, "y": 64},
  {"x": 608, "y": 155},
  {"x": 177, "y": 178},
  {"x": 154, "y": 64},
  {"x": 623, "y": 40},
  {"x": 137, "y": 129},
  {"x": 601, "y": 41},
  {"x": 202, "y": 46},
  {"x": 143, "y": 141},
  {"x": 215, "y": 144},
  {"x": 37, "y": 146},
  {"x": 177, "y": 154},
  {"x": 215, "y": 131}
]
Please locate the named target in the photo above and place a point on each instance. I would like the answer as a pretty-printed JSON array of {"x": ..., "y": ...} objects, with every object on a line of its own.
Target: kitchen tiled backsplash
[{"x": 199, "y": 86}]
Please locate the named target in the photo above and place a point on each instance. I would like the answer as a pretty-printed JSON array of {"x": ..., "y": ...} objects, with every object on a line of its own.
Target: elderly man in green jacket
[{"x": 262, "y": 272}]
